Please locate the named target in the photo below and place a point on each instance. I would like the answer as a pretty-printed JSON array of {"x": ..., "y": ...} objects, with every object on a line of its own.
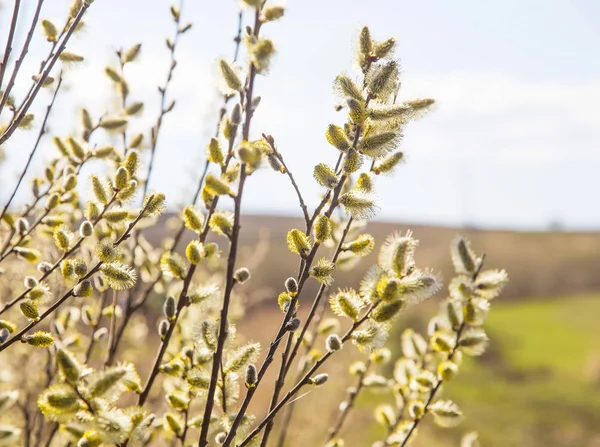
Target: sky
[{"x": 512, "y": 142}]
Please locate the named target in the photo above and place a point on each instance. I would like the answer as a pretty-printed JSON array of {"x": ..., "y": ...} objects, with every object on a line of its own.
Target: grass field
[{"x": 537, "y": 386}]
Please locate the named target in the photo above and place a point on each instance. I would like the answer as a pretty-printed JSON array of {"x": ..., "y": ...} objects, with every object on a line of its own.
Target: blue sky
[{"x": 513, "y": 140}]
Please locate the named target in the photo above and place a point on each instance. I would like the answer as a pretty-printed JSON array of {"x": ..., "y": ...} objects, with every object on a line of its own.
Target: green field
[{"x": 539, "y": 383}]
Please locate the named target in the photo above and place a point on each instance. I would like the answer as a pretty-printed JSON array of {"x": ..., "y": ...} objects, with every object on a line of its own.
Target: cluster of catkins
[{"x": 73, "y": 336}]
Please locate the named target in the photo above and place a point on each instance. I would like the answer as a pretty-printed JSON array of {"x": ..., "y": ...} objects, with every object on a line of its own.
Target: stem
[
  {"x": 38, "y": 85},
  {"x": 19, "y": 61},
  {"x": 70, "y": 293},
  {"x": 438, "y": 385},
  {"x": 62, "y": 258},
  {"x": 352, "y": 394},
  {"x": 181, "y": 303},
  {"x": 305, "y": 379},
  {"x": 41, "y": 133},
  {"x": 8, "y": 50},
  {"x": 287, "y": 171},
  {"x": 230, "y": 281},
  {"x": 301, "y": 371},
  {"x": 112, "y": 328},
  {"x": 90, "y": 348},
  {"x": 163, "y": 98},
  {"x": 289, "y": 354},
  {"x": 302, "y": 278}
]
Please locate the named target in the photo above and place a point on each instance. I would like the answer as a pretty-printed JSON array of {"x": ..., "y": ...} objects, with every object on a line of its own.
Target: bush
[{"x": 84, "y": 319}]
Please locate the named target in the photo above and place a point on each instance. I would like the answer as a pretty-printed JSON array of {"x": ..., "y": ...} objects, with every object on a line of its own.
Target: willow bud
[{"x": 169, "y": 308}]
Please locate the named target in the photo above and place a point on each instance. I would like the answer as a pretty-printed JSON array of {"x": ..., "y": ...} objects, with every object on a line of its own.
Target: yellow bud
[
  {"x": 114, "y": 124},
  {"x": 325, "y": 176},
  {"x": 76, "y": 149},
  {"x": 217, "y": 187},
  {"x": 221, "y": 223},
  {"x": 273, "y": 13},
  {"x": 132, "y": 162},
  {"x": 298, "y": 243},
  {"x": 193, "y": 219},
  {"x": 50, "y": 31},
  {"x": 30, "y": 309},
  {"x": 337, "y": 138},
  {"x": 68, "y": 57},
  {"x": 322, "y": 229},
  {"x": 447, "y": 370},
  {"x": 121, "y": 178},
  {"x": 214, "y": 153},
  {"x": 39, "y": 339},
  {"x": 230, "y": 76},
  {"x": 134, "y": 108},
  {"x": 136, "y": 141},
  {"x": 132, "y": 53},
  {"x": 53, "y": 201},
  {"x": 195, "y": 252},
  {"x": 113, "y": 75}
]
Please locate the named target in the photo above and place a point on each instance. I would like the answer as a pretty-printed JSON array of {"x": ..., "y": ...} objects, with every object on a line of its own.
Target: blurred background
[{"x": 509, "y": 157}]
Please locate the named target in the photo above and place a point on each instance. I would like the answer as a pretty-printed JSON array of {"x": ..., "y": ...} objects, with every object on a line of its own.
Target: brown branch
[
  {"x": 93, "y": 328},
  {"x": 70, "y": 293},
  {"x": 352, "y": 395},
  {"x": 41, "y": 133},
  {"x": 283, "y": 370},
  {"x": 230, "y": 281},
  {"x": 289, "y": 353},
  {"x": 44, "y": 75},
  {"x": 181, "y": 303},
  {"x": 8, "y": 49},
  {"x": 62, "y": 258},
  {"x": 112, "y": 328},
  {"x": 277, "y": 154},
  {"x": 301, "y": 371},
  {"x": 302, "y": 278},
  {"x": 305, "y": 379},
  {"x": 440, "y": 381},
  {"x": 21, "y": 58}
]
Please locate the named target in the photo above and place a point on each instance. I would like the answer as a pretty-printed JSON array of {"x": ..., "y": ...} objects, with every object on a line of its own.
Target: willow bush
[{"x": 79, "y": 278}]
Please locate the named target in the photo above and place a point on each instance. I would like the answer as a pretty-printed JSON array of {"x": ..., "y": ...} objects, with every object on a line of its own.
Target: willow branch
[
  {"x": 305, "y": 379},
  {"x": 349, "y": 404},
  {"x": 8, "y": 49},
  {"x": 14, "y": 124},
  {"x": 41, "y": 133},
  {"x": 70, "y": 293},
  {"x": 302, "y": 278},
  {"x": 64, "y": 256},
  {"x": 287, "y": 171},
  {"x": 440, "y": 381},
  {"x": 230, "y": 281}
]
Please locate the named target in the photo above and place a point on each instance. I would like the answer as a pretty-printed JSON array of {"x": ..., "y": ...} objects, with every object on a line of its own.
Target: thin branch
[
  {"x": 41, "y": 133},
  {"x": 93, "y": 328},
  {"x": 317, "y": 300},
  {"x": 230, "y": 281},
  {"x": 112, "y": 328},
  {"x": 349, "y": 404},
  {"x": 62, "y": 258},
  {"x": 8, "y": 49},
  {"x": 70, "y": 293},
  {"x": 302, "y": 277},
  {"x": 14, "y": 124},
  {"x": 164, "y": 109},
  {"x": 287, "y": 171},
  {"x": 301, "y": 371},
  {"x": 306, "y": 378},
  {"x": 440, "y": 381},
  {"x": 289, "y": 354},
  {"x": 21, "y": 58}
]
